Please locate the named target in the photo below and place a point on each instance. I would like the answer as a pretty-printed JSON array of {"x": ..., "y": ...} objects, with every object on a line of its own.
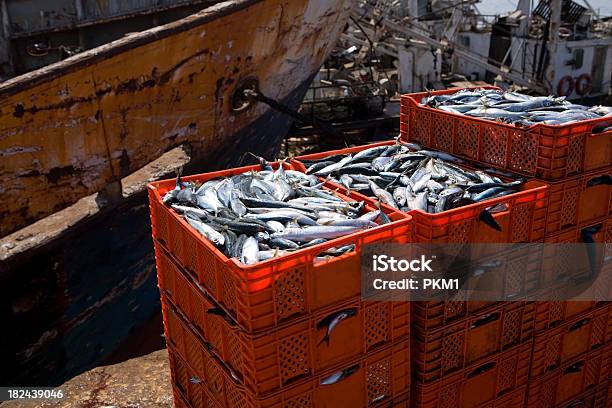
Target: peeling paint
[
  {"x": 122, "y": 103},
  {"x": 19, "y": 150}
]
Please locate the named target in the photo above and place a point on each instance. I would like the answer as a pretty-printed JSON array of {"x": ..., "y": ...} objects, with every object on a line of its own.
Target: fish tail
[{"x": 488, "y": 219}]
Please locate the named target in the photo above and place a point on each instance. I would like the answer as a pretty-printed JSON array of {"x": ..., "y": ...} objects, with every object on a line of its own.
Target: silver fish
[{"x": 333, "y": 320}]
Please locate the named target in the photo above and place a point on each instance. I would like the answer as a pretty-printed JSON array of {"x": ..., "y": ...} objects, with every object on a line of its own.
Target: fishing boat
[{"x": 76, "y": 263}]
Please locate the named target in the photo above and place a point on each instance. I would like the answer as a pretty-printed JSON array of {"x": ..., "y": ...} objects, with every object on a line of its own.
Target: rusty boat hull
[{"x": 77, "y": 273}]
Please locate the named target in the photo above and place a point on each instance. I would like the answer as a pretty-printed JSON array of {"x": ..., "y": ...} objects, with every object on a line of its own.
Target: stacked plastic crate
[
  {"x": 255, "y": 336},
  {"x": 469, "y": 354},
  {"x": 571, "y": 354}
]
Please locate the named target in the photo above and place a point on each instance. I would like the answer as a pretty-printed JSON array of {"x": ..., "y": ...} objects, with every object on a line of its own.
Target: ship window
[{"x": 578, "y": 56}]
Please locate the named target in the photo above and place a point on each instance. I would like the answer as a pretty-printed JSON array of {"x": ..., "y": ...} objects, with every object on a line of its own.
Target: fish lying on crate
[
  {"x": 516, "y": 108},
  {"x": 256, "y": 216},
  {"x": 407, "y": 178}
]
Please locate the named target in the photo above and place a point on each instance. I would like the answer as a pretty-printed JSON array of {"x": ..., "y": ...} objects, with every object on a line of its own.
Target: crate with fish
[
  {"x": 543, "y": 136},
  {"x": 454, "y": 346},
  {"x": 449, "y": 201},
  {"x": 267, "y": 242},
  {"x": 288, "y": 353},
  {"x": 482, "y": 384},
  {"x": 372, "y": 380},
  {"x": 555, "y": 346},
  {"x": 566, "y": 262},
  {"x": 579, "y": 200},
  {"x": 514, "y": 275},
  {"x": 571, "y": 379}
]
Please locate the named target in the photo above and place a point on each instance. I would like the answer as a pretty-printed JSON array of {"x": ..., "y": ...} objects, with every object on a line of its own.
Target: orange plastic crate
[
  {"x": 523, "y": 222},
  {"x": 595, "y": 398},
  {"x": 558, "y": 268},
  {"x": 452, "y": 347},
  {"x": 553, "y": 313},
  {"x": 544, "y": 151},
  {"x": 285, "y": 354},
  {"x": 573, "y": 202},
  {"x": 556, "y": 346},
  {"x": 199, "y": 397},
  {"x": 570, "y": 380},
  {"x": 495, "y": 382},
  {"x": 378, "y": 378},
  {"x": 265, "y": 294}
]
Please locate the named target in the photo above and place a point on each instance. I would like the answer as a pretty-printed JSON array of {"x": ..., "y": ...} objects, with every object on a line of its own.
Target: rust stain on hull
[{"x": 100, "y": 119}]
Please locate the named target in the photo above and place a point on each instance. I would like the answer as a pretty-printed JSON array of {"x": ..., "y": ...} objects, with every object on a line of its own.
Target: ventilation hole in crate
[
  {"x": 548, "y": 393},
  {"x": 494, "y": 144},
  {"x": 207, "y": 265},
  {"x": 191, "y": 254},
  {"x": 228, "y": 290},
  {"x": 214, "y": 379},
  {"x": 214, "y": 329},
  {"x": 182, "y": 290},
  {"x": 442, "y": 133},
  {"x": 211, "y": 402},
  {"x": 450, "y": 396},
  {"x": 289, "y": 293},
  {"x": 175, "y": 239},
  {"x": 303, "y": 401},
  {"x": 293, "y": 356},
  {"x": 378, "y": 380},
  {"x": 506, "y": 374},
  {"x": 195, "y": 395},
  {"x": 516, "y": 270},
  {"x": 511, "y": 333},
  {"x": 598, "y": 330},
  {"x": 419, "y": 126},
  {"x": 454, "y": 309},
  {"x": 164, "y": 277},
  {"x": 235, "y": 398},
  {"x": 195, "y": 354},
  {"x": 552, "y": 353},
  {"x": 591, "y": 373},
  {"x": 197, "y": 313},
  {"x": 521, "y": 223},
  {"x": 452, "y": 351},
  {"x": 555, "y": 312},
  {"x": 459, "y": 232},
  {"x": 174, "y": 329},
  {"x": 467, "y": 139},
  {"x": 234, "y": 351},
  {"x": 569, "y": 207},
  {"x": 161, "y": 224},
  {"x": 575, "y": 154},
  {"x": 608, "y": 241},
  {"x": 377, "y": 324},
  {"x": 180, "y": 373},
  {"x": 524, "y": 153}
]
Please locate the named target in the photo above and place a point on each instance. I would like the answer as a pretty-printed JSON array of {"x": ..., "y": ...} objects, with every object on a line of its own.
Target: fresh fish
[
  {"x": 486, "y": 217},
  {"x": 383, "y": 195},
  {"x": 250, "y": 251},
  {"x": 204, "y": 229},
  {"x": 312, "y": 232},
  {"x": 329, "y": 169},
  {"x": 333, "y": 320},
  {"x": 340, "y": 375},
  {"x": 512, "y": 107}
]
